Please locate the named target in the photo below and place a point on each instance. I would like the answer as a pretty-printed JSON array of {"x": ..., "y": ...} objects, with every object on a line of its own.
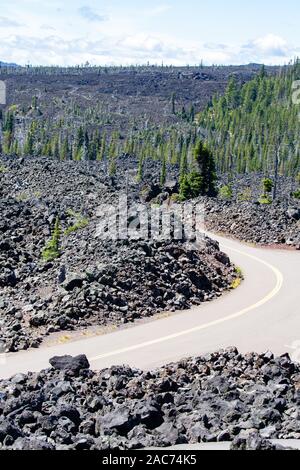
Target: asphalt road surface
[{"x": 262, "y": 314}]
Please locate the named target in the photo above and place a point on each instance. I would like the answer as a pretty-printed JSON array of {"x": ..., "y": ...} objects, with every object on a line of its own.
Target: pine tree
[
  {"x": 202, "y": 177},
  {"x": 52, "y": 248},
  {"x": 248, "y": 120},
  {"x": 173, "y": 103},
  {"x": 65, "y": 150},
  {"x": 140, "y": 169},
  {"x": 112, "y": 166},
  {"x": 206, "y": 168},
  {"x": 102, "y": 149},
  {"x": 30, "y": 140},
  {"x": 163, "y": 174}
]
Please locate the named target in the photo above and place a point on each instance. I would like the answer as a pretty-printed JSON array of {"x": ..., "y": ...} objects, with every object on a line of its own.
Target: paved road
[{"x": 262, "y": 314}]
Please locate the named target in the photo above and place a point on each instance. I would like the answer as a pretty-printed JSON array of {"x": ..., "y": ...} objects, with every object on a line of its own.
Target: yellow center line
[{"x": 264, "y": 300}]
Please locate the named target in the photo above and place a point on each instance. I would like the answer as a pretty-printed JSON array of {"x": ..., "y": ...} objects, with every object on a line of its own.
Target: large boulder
[
  {"x": 121, "y": 420},
  {"x": 9, "y": 430},
  {"x": 32, "y": 444},
  {"x": 74, "y": 364},
  {"x": 253, "y": 441},
  {"x": 72, "y": 281},
  {"x": 293, "y": 213}
]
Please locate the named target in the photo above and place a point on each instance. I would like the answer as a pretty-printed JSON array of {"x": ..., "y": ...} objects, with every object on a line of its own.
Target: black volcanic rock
[
  {"x": 220, "y": 397},
  {"x": 93, "y": 281},
  {"x": 74, "y": 364}
]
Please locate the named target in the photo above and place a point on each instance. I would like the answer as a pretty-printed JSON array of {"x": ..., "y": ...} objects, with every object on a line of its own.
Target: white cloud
[
  {"x": 56, "y": 49},
  {"x": 8, "y": 23},
  {"x": 159, "y": 10},
  {"x": 47, "y": 27},
  {"x": 89, "y": 14},
  {"x": 269, "y": 45},
  {"x": 269, "y": 49}
]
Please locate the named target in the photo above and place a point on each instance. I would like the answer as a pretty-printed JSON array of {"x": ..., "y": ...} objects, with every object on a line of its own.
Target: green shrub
[
  {"x": 80, "y": 223},
  {"x": 239, "y": 278},
  {"x": 3, "y": 169},
  {"x": 239, "y": 272},
  {"x": 22, "y": 197},
  {"x": 297, "y": 194},
  {"x": 191, "y": 186},
  {"x": 245, "y": 195},
  {"x": 265, "y": 200},
  {"x": 236, "y": 283},
  {"x": 267, "y": 186},
  {"x": 226, "y": 192}
]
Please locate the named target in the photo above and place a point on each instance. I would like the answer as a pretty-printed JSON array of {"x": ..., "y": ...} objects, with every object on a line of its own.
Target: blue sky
[{"x": 176, "y": 32}]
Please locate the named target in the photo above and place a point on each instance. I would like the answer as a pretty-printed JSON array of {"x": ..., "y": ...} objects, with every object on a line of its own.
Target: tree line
[{"x": 255, "y": 126}]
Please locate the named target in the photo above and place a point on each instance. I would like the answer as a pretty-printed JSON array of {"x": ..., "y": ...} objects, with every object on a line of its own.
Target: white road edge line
[{"x": 267, "y": 298}]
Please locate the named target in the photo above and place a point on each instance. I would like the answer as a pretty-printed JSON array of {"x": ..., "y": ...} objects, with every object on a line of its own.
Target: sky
[{"x": 178, "y": 32}]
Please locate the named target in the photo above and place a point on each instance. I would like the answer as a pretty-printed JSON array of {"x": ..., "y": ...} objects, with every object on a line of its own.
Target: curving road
[{"x": 262, "y": 314}]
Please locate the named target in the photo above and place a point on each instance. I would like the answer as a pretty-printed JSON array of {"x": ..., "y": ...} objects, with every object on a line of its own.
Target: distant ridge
[{"x": 5, "y": 64}]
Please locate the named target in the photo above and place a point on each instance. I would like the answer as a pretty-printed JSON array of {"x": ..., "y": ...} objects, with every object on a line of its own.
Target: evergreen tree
[
  {"x": 65, "y": 150},
  {"x": 200, "y": 181},
  {"x": 173, "y": 103},
  {"x": 140, "y": 170},
  {"x": 206, "y": 168},
  {"x": 242, "y": 126},
  {"x": 30, "y": 140},
  {"x": 163, "y": 171},
  {"x": 52, "y": 248}
]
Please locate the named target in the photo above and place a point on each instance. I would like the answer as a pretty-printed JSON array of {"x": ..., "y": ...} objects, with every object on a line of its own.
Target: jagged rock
[
  {"x": 9, "y": 429},
  {"x": 31, "y": 444},
  {"x": 223, "y": 396},
  {"x": 94, "y": 281},
  {"x": 150, "y": 415},
  {"x": 294, "y": 213},
  {"x": 253, "y": 441},
  {"x": 72, "y": 281},
  {"x": 70, "y": 363},
  {"x": 114, "y": 281},
  {"x": 120, "y": 419}
]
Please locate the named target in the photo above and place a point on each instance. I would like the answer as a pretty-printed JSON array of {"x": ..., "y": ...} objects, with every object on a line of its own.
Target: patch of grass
[
  {"x": 236, "y": 283},
  {"x": 64, "y": 339},
  {"x": 265, "y": 200},
  {"x": 3, "y": 169},
  {"x": 239, "y": 272},
  {"x": 22, "y": 197},
  {"x": 13, "y": 108},
  {"x": 71, "y": 213},
  {"x": 80, "y": 223},
  {"x": 239, "y": 277},
  {"x": 26, "y": 196},
  {"x": 245, "y": 196},
  {"x": 144, "y": 191}
]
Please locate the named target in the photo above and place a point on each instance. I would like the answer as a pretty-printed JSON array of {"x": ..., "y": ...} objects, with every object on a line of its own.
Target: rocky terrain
[
  {"x": 101, "y": 282},
  {"x": 275, "y": 224},
  {"x": 223, "y": 396},
  {"x": 93, "y": 281},
  {"x": 243, "y": 217},
  {"x": 125, "y": 93}
]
